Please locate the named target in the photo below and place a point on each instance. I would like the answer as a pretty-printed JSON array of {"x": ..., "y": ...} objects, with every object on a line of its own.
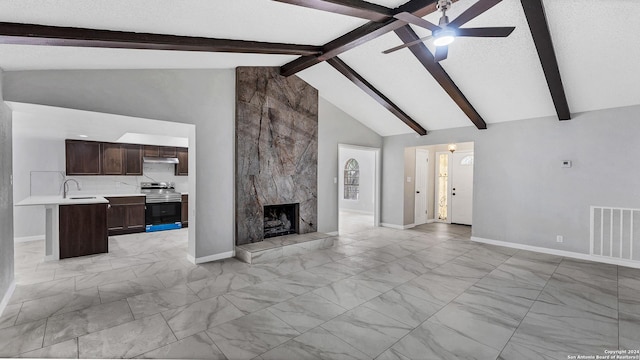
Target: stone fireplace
[
  {"x": 276, "y": 154},
  {"x": 280, "y": 220}
]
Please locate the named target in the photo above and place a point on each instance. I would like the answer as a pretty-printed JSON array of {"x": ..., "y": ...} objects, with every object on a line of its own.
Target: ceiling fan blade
[
  {"x": 422, "y": 39},
  {"x": 485, "y": 32},
  {"x": 441, "y": 53},
  {"x": 475, "y": 10},
  {"x": 418, "y": 21}
]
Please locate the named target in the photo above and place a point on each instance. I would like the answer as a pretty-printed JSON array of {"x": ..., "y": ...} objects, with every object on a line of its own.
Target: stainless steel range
[{"x": 163, "y": 206}]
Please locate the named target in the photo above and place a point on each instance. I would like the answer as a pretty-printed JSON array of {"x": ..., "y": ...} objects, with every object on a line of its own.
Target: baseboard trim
[
  {"x": 23, "y": 239},
  {"x": 214, "y": 257},
  {"x": 569, "y": 254},
  {"x": 399, "y": 227},
  {"x": 431, "y": 221},
  {"x": 48, "y": 258},
  {"x": 7, "y": 296},
  {"x": 333, "y": 233},
  {"x": 363, "y": 212}
]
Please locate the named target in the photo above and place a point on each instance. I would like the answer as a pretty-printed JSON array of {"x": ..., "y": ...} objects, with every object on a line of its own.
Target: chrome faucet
[{"x": 65, "y": 187}]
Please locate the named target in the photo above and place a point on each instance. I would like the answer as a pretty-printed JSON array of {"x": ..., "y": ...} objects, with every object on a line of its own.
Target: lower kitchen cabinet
[
  {"x": 125, "y": 215},
  {"x": 185, "y": 210},
  {"x": 83, "y": 230}
]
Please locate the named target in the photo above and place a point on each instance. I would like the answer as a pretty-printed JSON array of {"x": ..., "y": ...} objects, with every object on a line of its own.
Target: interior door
[
  {"x": 461, "y": 187},
  {"x": 421, "y": 186}
]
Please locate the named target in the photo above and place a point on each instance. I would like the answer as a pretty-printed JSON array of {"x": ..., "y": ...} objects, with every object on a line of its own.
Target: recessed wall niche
[{"x": 276, "y": 149}]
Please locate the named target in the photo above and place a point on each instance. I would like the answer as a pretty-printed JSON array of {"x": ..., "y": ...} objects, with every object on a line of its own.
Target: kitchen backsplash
[{"x": 50, "y": 182}]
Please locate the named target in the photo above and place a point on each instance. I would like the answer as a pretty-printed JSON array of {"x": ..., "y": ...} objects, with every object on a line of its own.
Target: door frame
[
  {"x": 376, "y": 179},
  {"x": 437, "y": 186},
  {"x": 415, "y": 187}
]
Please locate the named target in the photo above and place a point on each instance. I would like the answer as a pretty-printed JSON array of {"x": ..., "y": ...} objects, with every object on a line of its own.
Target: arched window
[
  {"x": 467, "y": 160},
  {"x": 351, "y": 180}
]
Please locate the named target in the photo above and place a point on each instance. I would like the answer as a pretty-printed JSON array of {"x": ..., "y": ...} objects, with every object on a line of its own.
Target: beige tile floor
[{"x": 425, "y": 293}]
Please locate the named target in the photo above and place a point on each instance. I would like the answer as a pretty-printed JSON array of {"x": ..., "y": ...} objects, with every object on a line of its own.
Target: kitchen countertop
[
  {"x": 58, "y": 200},
  {"x": 122, "y": 195}
]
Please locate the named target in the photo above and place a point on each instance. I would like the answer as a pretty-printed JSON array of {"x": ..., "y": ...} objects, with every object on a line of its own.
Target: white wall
[
  {"x": 367, "y": 161},
  {"x": 521, "y": 194},
  {"x": 38, "y": 167}
]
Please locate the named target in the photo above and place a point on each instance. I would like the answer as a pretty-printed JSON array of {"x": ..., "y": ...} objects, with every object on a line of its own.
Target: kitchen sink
[{"x": 82, "y": 197}]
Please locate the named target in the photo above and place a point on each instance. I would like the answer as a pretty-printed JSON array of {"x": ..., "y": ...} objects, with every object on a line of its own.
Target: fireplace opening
[{"x": 280, "y": 220}]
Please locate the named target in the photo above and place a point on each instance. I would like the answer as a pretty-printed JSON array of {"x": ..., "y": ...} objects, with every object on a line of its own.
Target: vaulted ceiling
[{"x": 502, "y": 79}]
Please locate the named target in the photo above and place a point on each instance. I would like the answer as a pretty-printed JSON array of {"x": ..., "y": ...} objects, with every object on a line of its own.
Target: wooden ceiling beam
[
  {"x": 355, "y": 8},
  {"x": 32, "y": 34},
  {"x": 360, "y": 35},
  {"x": 406, "y": 34},
  {"x": 534, "y": 12},
  {"x": 363, "y": 84}
]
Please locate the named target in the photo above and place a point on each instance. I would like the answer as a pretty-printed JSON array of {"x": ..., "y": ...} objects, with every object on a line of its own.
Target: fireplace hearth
[{"x": 280, "y": 220}]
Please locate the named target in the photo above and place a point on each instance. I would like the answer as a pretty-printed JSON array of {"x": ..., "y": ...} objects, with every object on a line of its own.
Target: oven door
[{"x": 163, "y": 213}]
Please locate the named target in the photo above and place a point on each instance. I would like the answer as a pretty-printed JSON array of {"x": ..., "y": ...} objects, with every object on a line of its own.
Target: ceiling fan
[{"x": 445, "y": 32}]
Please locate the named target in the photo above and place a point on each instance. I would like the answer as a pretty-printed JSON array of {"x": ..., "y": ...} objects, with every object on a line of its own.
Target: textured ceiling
[{"x": 502, "y": 78}]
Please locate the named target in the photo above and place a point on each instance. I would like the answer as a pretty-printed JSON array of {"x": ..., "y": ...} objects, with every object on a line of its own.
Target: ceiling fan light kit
[
  {"x": 446, "y": 32},
  {"x": 444, "y": 37}
]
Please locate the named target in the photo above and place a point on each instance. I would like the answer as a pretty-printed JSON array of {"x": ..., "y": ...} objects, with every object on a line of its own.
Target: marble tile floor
[
  {"x": 350, "y": 222},
  {"x": 424, "y": 293}
]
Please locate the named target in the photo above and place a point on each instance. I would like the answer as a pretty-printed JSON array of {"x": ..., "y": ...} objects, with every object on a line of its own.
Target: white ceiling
[
  {"x": 502, "y": 78},
  {"x": 47, "y": 122}
]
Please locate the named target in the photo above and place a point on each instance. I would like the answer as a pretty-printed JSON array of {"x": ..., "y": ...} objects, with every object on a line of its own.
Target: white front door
[
  {"x": 461, "y": 187},
  {"x": 421, "y": 186}
]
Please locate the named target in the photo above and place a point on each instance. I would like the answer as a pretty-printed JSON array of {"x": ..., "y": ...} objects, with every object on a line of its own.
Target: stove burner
[{"x": 160, "y": 192}]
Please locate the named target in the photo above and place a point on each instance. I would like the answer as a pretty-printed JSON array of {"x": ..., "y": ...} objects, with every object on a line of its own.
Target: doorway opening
[
  {"x": 358, "y": 188},
  {"x": 40, "y": 170},
  {"x": 439, "y": 185}
]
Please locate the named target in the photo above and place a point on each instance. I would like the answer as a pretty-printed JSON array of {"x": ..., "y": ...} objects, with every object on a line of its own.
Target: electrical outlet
[{"x": 559, "y": 238}]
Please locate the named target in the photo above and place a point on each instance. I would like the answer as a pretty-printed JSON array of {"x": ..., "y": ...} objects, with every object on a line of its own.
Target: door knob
[
  {"x": 454, "y": 194},
  {"x": 417, "y": 192},
  {"x": 454, "y": 189}
]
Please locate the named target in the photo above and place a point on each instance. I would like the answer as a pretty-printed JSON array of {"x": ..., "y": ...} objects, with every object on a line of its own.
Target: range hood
[{"x": 160, "y": 160}]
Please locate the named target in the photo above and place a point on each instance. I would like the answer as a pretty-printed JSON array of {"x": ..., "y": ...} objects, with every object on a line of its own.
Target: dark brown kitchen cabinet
[
  {"x": 132, "y": 159},
  {"x": 112, "y": 159},
  {"x": 159, "y": 151},
  {"x": 83, "y": 230},
  {"x": 185, "y": 210},
  {"x": 83, "y": 157},
  {"x": 182, "y": 167},
  {"x": 167, "y": 151},
  {"x": 151, "y": 151},
  {"x": 125, "y": 215}
]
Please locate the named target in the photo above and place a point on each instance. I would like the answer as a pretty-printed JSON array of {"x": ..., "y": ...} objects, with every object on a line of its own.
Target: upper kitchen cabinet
[
  {"x": 151, "y": 151},
  {"x": 159, "y": 151},
  {"x": 98, "y": 158},
  {"x": 112, "y": 159},
  {"x": 182, "y": 168},
  {"x": 132, "y": 159},
  {"x": 83, "y": 157},
  {"x": 167, "y": 151}
]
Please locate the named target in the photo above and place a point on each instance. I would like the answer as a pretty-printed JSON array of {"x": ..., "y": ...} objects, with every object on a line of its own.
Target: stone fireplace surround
[{"x": 276, "y": 149}]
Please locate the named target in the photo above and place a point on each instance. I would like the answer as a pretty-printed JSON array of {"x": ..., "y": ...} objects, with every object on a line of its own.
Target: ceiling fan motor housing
[{"x": 443, "y": 5}]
